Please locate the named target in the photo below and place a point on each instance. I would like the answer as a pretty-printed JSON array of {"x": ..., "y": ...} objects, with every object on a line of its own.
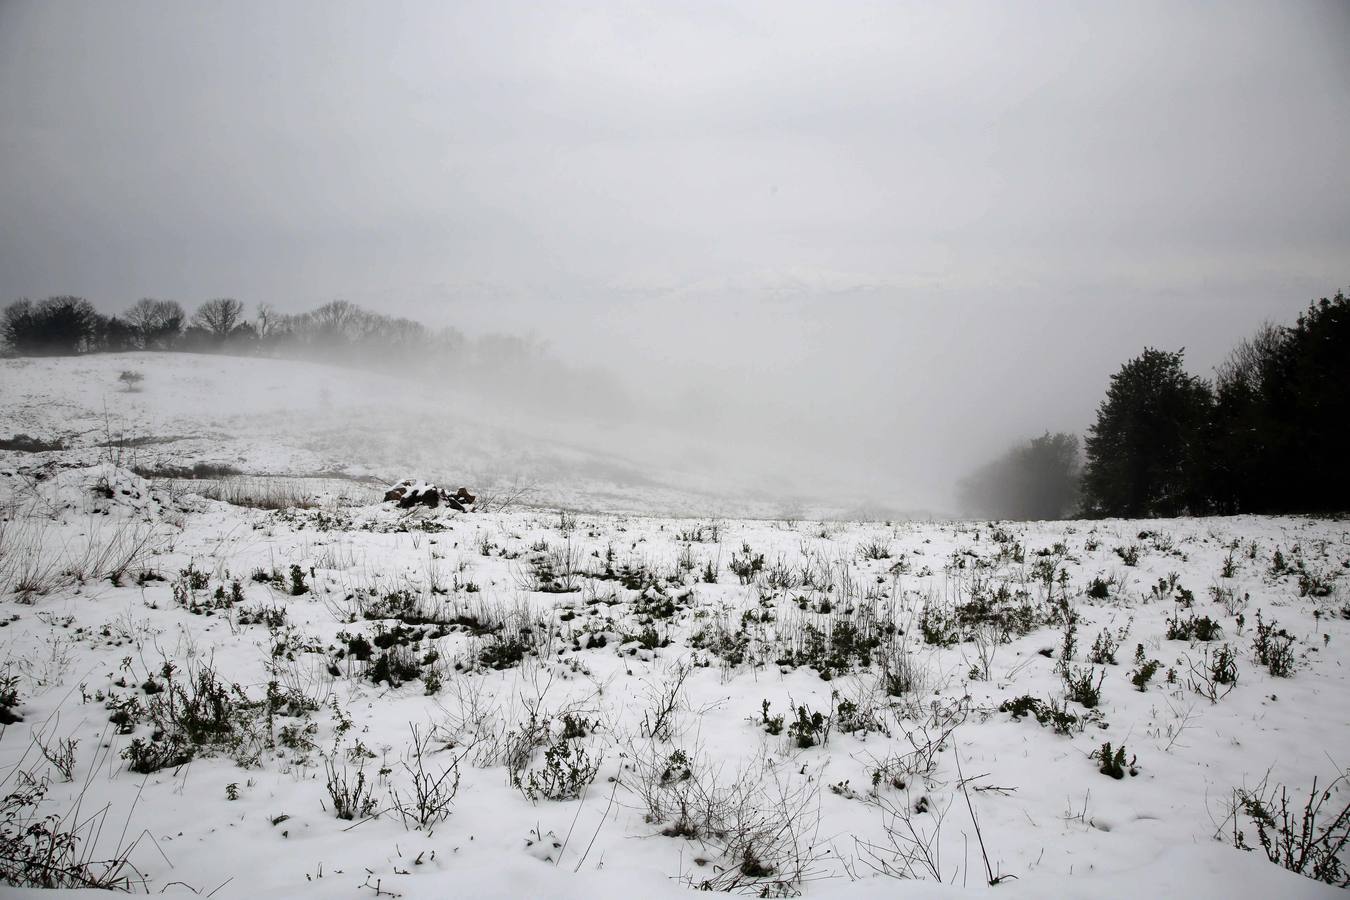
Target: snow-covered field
[
  {"x": 291, "y": 418},
  {"x": 541, "y": 703}
]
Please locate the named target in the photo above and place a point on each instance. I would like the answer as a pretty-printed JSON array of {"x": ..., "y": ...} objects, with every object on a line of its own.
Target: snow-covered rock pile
[{"x": 412, "y": 492}]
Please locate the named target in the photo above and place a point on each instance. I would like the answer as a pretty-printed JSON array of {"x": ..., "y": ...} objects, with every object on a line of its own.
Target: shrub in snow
[
  {"x": 568, "y": 769},
  {"x": 431, "y": 792},
  {"x": 351, "y": 794},
  {"x": 1048, "y": 713},
  {"x": 44, "y": 850},
  {"x": 1193, "y": 629},
  {"x": 1311, "y": 837},
  {"x": 1144, "y": 670},
  {"x": 9, "y": 699},
  {"x": 1113, "y": 763},
  {"x": 1104, "y": 649},
  {"x": 810, "y": 728},
  {"x": 1080, "y": 688},
  {"x": 1274, "y": 648}
]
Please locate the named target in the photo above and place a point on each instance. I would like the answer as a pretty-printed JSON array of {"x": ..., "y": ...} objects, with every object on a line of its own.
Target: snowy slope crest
[{"x": 67, "y": 492}]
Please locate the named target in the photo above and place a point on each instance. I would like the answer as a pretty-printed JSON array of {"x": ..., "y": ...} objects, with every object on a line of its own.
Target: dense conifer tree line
[{"x": 1270, "y": 433}]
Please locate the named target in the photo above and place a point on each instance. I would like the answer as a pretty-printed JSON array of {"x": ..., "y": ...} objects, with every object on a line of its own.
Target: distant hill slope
[{"x": 270, "y": 416}]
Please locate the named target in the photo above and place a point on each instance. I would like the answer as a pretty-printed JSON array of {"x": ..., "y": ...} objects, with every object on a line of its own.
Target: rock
[
  {"x": 460, "y": 499},
  {"x": 409, "y": 493}
]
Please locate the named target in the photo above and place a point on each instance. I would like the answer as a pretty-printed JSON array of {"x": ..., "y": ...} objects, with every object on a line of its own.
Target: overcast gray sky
[{"x": 903, "y": 234}]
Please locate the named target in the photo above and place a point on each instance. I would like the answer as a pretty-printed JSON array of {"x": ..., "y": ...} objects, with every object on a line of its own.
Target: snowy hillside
[
  {"x": 284, "y": 417},
  {"x": 354, "y": 700}
]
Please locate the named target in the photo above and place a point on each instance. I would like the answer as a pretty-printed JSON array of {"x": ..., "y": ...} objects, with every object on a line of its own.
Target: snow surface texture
[{"x": 596, "y": 688}]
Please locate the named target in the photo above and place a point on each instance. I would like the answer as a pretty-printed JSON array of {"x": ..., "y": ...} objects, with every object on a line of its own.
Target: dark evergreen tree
[
  {"x": 55, "y": 326},
  {"x": 1145, "y": 451},
  {"x": 116, "y": 335},
  {"x": 1315, "y": 428},
  {"x": 1278, "y": 440}
]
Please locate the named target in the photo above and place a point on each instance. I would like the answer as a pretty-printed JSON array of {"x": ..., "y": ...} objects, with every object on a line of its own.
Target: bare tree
[
  {"x": 266, "y": 321},
  {"x": 1244, "y": 364},
  {"x": 338, "y": 319},
  {"x": 156, "y": 322},
  {"x": 220, "y": 316}
]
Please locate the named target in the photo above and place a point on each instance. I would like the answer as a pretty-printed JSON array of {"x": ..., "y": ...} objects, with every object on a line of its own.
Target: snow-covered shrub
[
  {"x": 733, "y": 646},
  {"x": 431, "y": 794},
  {"x": 568, "y": 769},
  {"x": 1311, "y": 837},
  {"x": 665, "y": 698},
  {"x": 901, "y": 671},
  {"x": 1202, "y": 628},
  {"x": 1144, "y": 669},
  {"x": 144, "y": 755},
  {"x": 1232, "y": 603},
  {"x": 60, "y": 753},
  {"x": 196, "y": 712},
  {"x": 40, "y": 850},
  {"x": 9, "y": 698},
  {"x": 703, "y": 533},
  {"x": 746, "y": 564},
  {"x": 351, "y": 795},
  {"x": 810, "y": 727},
  {"x": 755, "y": 823},
  {"x": 1104, "y": 648},
  {"x": 1274, "y": 648},
  {"x": 1049, "y": 713},
  {"x": 1079, "y": 687},
  {"x": 1316, "y": 582},
  {"x": 837, "y": 645},
  {"x": 1113, "y": 762},
  {"x": 768, "y": 721},
  {"x": 1223, "y": 666},
  {"x": 875, "y": 549},
  {"x": 555, "y": 569}
]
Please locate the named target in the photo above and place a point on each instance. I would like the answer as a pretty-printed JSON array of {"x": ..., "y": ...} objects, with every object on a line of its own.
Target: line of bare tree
[{"x": 338, "y": 332}]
